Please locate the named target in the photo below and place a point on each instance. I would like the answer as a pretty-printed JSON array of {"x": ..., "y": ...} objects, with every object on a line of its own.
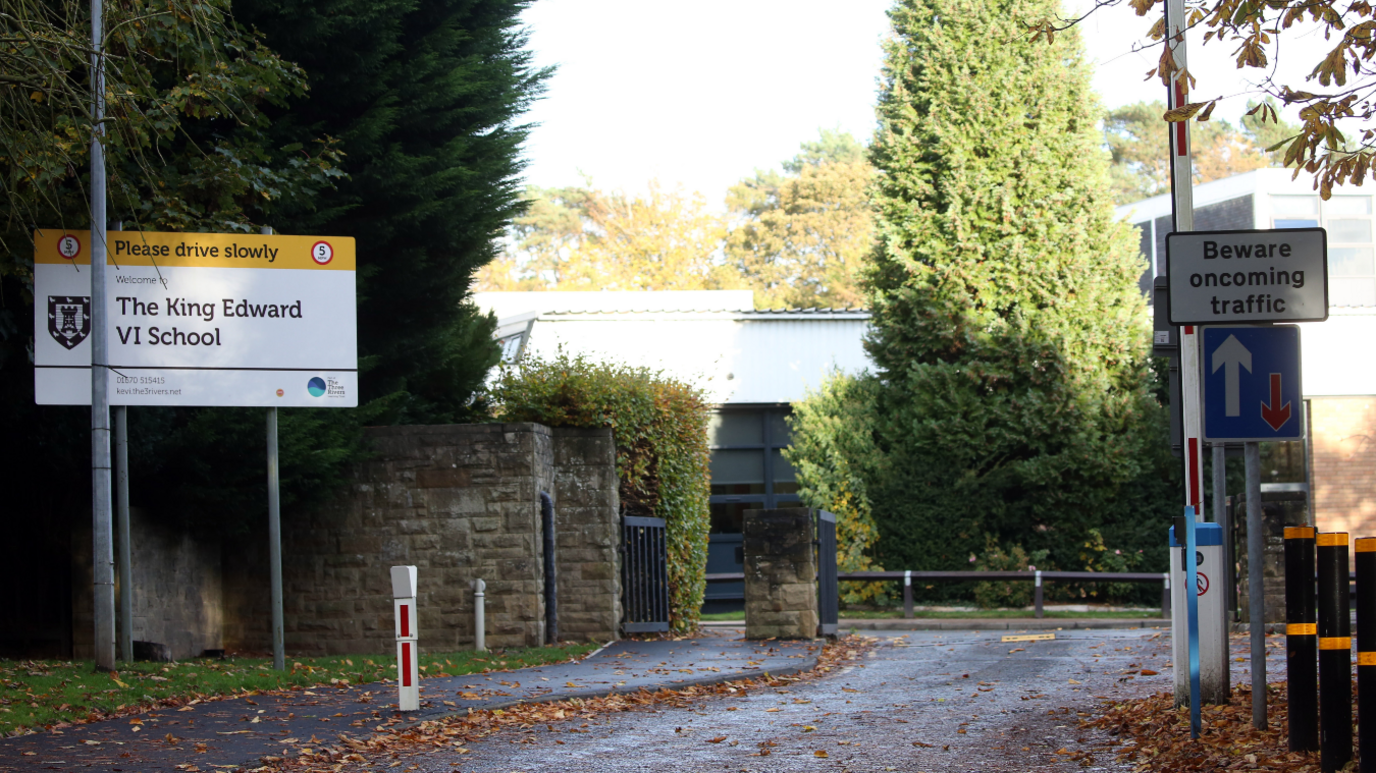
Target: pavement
[{"x": 239, "y": 732}]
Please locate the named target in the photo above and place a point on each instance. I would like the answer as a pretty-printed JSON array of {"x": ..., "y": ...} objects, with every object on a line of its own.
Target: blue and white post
[{"x": 1199, "y": 619}]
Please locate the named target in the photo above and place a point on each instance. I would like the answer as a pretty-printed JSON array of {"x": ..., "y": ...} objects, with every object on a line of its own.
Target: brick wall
[{"x": 1344, "y": 464}]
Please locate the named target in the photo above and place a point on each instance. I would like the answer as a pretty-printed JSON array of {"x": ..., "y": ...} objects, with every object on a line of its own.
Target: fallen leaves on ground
[
  {"x": 47, "y": 694},
  {"x": 1155, "y": 735},
  {"x": 451, "y": 734}
]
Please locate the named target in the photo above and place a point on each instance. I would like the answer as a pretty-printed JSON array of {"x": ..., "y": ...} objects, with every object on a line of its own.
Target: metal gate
[
  {"x": 644, "y": 575},
  {"x": 828, "y": 599}
]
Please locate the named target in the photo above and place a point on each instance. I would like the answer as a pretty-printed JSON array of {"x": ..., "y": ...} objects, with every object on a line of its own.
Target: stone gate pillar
[{"x": 780, "y": 574}]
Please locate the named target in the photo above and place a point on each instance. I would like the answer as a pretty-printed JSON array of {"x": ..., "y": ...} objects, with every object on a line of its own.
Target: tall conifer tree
[
  {"x": 1008, "y": 329},
  {"x": 427, "y": 97}
]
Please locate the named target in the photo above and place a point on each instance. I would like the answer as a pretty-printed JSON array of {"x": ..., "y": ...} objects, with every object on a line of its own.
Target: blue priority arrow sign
[{"x": 1252, "y": 389}]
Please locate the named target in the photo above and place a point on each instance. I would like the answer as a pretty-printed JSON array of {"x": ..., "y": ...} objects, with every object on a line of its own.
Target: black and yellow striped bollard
[
  {"x": 1335, "y": 653},
  {"x": 1301, "y": 640},
  {"x": 1365, "y": 561}
]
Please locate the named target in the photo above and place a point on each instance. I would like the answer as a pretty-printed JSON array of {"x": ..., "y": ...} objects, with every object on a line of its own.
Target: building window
[{"x": 1351, "y": 264}]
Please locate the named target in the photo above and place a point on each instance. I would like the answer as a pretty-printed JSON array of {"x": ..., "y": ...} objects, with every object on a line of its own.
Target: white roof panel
[{"x": 742, "y": 357}]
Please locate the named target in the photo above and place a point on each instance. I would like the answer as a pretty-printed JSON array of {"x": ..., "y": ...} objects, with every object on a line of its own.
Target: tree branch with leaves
[{"x": 1337, "y": 100}]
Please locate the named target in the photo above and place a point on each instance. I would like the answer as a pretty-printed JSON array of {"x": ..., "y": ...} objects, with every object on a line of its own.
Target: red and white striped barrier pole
[{"x": 408, "y": 656}]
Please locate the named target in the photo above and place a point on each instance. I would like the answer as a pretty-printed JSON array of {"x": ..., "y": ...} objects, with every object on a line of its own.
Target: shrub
[
  {"x": 835, "y": 456},
  {"x": 660, "y": 429},
  {"x": 1005, "y": 593}
]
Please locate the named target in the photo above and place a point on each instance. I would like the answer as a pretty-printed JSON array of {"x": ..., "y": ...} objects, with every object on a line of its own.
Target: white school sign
[{"x": 199, "y": 319}]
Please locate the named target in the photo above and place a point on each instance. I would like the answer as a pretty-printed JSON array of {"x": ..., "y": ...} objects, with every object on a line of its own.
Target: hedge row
[{"x": 660, "y": 428}]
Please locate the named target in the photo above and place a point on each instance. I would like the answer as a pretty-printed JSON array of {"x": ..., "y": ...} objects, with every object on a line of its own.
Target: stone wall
[
  {"x": 780, "y": 574},
  {"x": 460, "y": 502},
  {"x": 588, "y": 534},
  {"x": 176, "y": 589}
]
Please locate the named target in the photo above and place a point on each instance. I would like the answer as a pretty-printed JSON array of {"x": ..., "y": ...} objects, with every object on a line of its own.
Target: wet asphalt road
[{"x": 924, "y": 701}]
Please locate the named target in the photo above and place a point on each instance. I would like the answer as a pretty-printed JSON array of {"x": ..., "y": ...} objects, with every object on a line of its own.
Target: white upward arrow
[{"x": 1231, "y": 353}]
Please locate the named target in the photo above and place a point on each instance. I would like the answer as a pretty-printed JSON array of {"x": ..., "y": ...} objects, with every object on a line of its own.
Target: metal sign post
[
  {"x": 103, "y": 552},
  {"x": 1256, "y": 595},
  {"x": 1252, "y": 392},
  {"x": 279, "y": 656},
  {"x": 126, "y": 550}
]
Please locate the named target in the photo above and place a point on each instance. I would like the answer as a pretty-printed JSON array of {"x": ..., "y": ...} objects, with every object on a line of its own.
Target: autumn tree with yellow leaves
[{"x": 589, "y": 239}]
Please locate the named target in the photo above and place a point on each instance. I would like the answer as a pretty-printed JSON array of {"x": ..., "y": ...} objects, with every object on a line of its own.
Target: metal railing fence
[{"x": 1037, "y": 577}]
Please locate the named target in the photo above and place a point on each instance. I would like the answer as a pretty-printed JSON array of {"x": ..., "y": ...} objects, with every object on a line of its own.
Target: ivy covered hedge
[{"x": 660, "y": 428}]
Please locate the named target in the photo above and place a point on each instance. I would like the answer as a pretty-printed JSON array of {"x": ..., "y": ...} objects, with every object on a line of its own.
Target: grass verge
[
  {"x": 37, "y": 694},
  {"x": 972, "y": 614}
]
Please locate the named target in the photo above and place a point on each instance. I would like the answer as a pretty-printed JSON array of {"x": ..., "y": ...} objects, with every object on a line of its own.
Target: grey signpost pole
[
  {"x": 279, "y": 658},
  {"x": 125, "y": 563},
  {"x": 1256, "y": 594},
  {"x": 1220, "y": 470},
  {"x": 126, "y": 580},
  {"x": 103, "y": 553}
]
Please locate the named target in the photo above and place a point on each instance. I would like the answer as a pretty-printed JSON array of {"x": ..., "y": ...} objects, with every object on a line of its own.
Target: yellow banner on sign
[
  {"x": 1031, "y": 637},
  {"x": 157, "y": 248}
]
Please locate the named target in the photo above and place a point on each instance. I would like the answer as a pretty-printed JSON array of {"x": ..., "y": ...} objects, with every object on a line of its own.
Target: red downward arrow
[{"x": 1274, "y": 416}]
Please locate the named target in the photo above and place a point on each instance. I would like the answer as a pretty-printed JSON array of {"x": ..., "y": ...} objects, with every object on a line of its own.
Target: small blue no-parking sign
[{"x": 1252, "y": 389}]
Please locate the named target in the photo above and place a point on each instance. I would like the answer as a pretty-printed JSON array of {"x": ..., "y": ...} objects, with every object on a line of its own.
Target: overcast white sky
[{"x": 701, "y": 94}]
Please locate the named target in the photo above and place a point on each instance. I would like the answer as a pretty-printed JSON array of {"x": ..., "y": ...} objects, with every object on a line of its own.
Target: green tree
[
  {"x": 1008, "y": 330},
  {"x": 189, "y": 147},
  {"x": 836, "y": 455},
  {"x": 186, "y": 139},
  {"x": 800, "y": 238},
  {"x": 1138, "y": 144},
  {"x": 427, "y": 97},
  {"x": 583, "y": 238},
  {"x": 1256, "y": 32}
]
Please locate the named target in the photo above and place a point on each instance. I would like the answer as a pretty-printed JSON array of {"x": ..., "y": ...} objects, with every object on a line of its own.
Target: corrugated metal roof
[{"x": 735, "y": 357}]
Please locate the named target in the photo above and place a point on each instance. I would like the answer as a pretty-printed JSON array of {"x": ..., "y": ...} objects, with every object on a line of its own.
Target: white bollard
[
  {"x": 479, "y": 613},
  {"x": 408, "y": 654},
  {"x": 1213, "y": 631}
]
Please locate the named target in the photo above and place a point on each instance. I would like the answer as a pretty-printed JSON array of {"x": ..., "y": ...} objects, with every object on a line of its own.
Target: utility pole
[{"x": 103, "y": 553}]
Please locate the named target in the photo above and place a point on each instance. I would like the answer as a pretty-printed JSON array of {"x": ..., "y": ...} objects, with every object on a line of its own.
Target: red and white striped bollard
[{"x": 408, "y": 655}]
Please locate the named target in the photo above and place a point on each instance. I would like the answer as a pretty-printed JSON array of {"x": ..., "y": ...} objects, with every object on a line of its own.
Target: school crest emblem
[{"x": 69, "y": 319}]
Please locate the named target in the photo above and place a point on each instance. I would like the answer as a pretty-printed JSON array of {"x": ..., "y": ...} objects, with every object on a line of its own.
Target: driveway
[{"x": 923, "y": 701}]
